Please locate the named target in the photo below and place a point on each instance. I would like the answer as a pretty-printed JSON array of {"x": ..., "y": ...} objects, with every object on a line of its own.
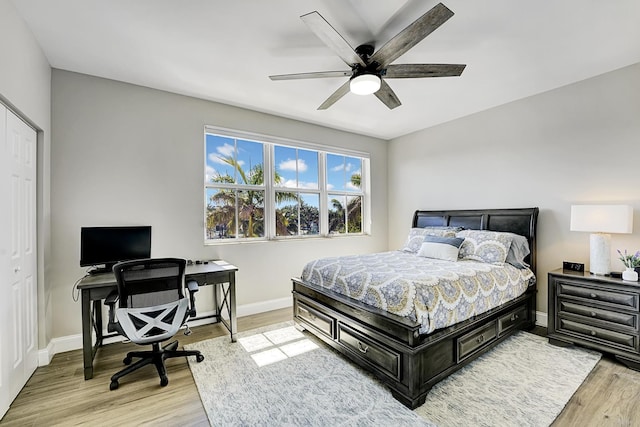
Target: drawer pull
[
  {"x": 593, "y": 333},
  {"x": 593, "y": 314},
  {"x": 592, "y": 295},
  {"x": 362, "y": 348},
  {"x": 480, "y": 339},
  {"x": 514, "y": 317},
  {"x": 308, "y": 314}
]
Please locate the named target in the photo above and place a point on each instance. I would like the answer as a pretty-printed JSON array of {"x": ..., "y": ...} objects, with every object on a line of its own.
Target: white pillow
[
  {"x": 416, "y": 236},
  {"x": 445, "y": 248}
]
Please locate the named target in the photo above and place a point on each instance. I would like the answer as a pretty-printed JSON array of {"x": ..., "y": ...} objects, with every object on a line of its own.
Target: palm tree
[
  {"x": 336, "y": 217},
  {"x": 352, "y": 215},
  {"x": 250, "y": 202},
  {"x": 354, "y": 207}
]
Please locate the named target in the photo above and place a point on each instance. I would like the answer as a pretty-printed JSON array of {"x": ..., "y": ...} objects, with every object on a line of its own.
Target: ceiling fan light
[{"x": 365, "y": 84}]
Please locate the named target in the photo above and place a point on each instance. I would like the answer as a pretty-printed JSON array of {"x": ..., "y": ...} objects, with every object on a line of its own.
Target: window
[
  {"x": 344, "y": 176},
  {"x": 259, "y": 188},
  {"x": 235, "y": 188}
]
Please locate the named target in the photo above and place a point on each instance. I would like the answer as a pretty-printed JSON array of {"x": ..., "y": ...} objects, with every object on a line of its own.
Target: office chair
[{"x": 151, "y": 308}]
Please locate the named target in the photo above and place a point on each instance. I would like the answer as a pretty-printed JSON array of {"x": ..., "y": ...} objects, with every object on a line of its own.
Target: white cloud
[
  {"x": 304, "y": 184},
  {"x": 290, "y": 165},
  {"x": 210, "y": 173},
  {"x": 291, "y": 183},
  {"x": 350, "y": 186},
  {"x": 226, "y": 150},
  {"x": 342, "y": 167},
  {"x": 222, "y": 151},
  {"x": 214, "y": 158}
]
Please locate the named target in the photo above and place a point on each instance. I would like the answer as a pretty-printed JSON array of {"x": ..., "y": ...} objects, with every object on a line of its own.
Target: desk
[{"x": 94, "y": 288}]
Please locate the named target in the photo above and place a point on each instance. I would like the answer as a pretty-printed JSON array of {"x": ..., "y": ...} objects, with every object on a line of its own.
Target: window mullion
[
  {"x": 270, "y": 195},
  {"x": 324, "y": 196}
]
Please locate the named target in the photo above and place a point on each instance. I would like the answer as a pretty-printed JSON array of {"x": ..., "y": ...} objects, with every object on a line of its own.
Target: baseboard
[
  {"x": 74, "y": 342},
  {"x": 541, "y": 319},
  {"x": 45, "y": 355}
]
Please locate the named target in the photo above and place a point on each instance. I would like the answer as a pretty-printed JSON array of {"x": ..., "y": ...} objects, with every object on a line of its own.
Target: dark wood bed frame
[{"x": 390, "y": 346}]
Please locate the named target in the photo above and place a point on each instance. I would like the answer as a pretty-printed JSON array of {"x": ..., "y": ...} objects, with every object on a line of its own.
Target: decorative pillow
[
  {"x": 485, "y": 246},
  {"x": 416, "y": 236},
  {"x": 445, "y": 248},
  {"x": 518, "y": 250}
]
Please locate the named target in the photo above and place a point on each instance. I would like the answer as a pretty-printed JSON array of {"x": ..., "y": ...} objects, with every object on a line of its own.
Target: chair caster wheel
[
  {"x": 199, "y": 358},
  {"x": 126, "y": 360},
  {"x": 164, "y": 381},
  {"x": 114, "y": 385}
]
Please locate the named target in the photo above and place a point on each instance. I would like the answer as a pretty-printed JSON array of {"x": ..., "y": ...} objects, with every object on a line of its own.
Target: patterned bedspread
[{"x": 433, "y": 292}]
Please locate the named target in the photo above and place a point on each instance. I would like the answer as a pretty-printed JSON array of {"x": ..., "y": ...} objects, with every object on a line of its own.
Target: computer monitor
[{"x": 106, "y": 246}]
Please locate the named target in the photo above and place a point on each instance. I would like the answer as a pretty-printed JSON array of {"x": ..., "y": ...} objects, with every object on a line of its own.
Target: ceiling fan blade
[
  {"x": 404, "y": 71},
  {"x": 335, "y": 96},
  {"x": 332, "y": 38},
  {"x": 387, "y": 96},
  {"x": 412, "y": 35},
  {"x": 317, "y": 75}
]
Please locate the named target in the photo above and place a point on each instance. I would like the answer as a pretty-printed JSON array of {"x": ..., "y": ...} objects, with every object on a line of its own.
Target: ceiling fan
[{"x": 370, "y": 68}]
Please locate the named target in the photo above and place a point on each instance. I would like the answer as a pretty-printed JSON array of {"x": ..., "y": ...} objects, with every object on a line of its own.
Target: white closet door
[{"x": 18, "y": 304}]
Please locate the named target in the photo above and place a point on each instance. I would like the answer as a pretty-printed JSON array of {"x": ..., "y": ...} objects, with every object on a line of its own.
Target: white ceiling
[{"x": 223, "y": 50}]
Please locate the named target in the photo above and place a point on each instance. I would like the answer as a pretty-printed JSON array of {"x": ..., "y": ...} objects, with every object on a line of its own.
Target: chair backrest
[{"x": 149, "y": 282}]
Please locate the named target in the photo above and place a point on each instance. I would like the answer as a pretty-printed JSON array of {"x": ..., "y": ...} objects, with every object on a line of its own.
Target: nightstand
[{"x": 597, "y": 312}]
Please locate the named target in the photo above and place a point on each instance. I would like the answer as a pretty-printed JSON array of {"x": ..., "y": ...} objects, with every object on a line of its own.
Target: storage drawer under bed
[
  {"x": 512, "y": 319},
  {"x": 319, "y": 321},
  {"x": 367, "y": 349},
  {"x": 472, "y": 342}
]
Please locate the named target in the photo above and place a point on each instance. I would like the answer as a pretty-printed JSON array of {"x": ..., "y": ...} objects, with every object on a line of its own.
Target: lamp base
[{"x": 600, "y": 254}]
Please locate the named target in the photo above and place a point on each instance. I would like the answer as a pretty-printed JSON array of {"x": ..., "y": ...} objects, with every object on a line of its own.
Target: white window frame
[{"x": 269, "y": 142}]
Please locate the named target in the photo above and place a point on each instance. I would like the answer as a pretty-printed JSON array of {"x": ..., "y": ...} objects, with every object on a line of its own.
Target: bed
[{"x": 407, "y": 345}]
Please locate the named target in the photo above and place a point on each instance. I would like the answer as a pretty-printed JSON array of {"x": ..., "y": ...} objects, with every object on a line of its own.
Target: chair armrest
[
  {"x": 192, "y": 286},
  {"x": 111, "y": 301}
]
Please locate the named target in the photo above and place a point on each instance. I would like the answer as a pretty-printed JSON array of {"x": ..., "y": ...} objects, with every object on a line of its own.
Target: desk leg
[
  {"x": 232, "y": 307},
  {"x": 87, "y": 347}
]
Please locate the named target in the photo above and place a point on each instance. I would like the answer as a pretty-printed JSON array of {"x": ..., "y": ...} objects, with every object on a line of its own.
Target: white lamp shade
[
  {"x": 602, "y": 218},
  {"x": 365, "y": 84}
]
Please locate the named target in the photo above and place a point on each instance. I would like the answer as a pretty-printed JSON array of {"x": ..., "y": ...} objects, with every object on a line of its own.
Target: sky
[{"x": 297, "y": 168}]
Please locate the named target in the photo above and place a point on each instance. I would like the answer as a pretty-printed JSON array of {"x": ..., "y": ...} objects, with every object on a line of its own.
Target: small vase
[{"x": 630, "y": 275}]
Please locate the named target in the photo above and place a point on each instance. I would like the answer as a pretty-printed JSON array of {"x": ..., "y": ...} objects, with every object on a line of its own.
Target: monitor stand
[{"x": 107, "y": 268}]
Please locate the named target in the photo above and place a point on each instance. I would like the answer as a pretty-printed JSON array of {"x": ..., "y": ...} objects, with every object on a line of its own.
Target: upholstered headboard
[{"x": 519, "y": 221}]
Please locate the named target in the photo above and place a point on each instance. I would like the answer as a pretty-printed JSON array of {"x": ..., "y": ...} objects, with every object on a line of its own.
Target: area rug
[{"x": 279, "y": 376}]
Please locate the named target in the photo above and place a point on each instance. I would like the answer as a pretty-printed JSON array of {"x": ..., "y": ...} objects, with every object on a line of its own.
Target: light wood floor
[{"x": 57, "y": 394}]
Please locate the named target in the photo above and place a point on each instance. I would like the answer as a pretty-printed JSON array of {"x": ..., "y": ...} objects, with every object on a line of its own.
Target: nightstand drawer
[
  {"x": 623, "y": 319},
  {"x": 621, "y": 299},
  {"x": 593, "y": 333}
]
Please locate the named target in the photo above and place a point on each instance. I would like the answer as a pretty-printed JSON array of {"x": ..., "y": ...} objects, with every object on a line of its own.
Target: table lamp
[{"x": 601, "y": 220}]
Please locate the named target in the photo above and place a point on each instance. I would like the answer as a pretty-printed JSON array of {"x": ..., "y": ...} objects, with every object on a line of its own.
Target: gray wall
[
  {"x": 25, "y": 86},
  {"x": 576, "y": 144},
  {"x": 124, "y": 154}
]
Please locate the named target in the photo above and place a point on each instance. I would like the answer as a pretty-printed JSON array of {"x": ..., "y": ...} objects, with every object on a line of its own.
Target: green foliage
[{"x": 221, "y": 211}]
